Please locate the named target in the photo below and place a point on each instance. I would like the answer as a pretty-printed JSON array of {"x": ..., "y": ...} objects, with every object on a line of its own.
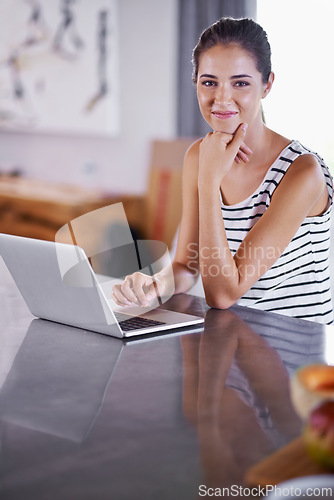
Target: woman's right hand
[
  {"x": 137, "y": 289},
  {"x": 219, "y": 150}
]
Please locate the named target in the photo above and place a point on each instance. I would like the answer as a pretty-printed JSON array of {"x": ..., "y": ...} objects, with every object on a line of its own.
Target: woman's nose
[{"x": 223, "y": 95}]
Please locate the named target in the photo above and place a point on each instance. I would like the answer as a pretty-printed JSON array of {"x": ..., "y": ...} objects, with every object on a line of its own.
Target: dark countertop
[{"x": 86, "y": 416}]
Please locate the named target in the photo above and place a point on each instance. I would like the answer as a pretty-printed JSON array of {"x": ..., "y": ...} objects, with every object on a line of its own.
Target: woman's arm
[
  {"x": 186, "y": 261},
  {"x": 301, "y": 192},
  {"x": 139, "y": 288}
]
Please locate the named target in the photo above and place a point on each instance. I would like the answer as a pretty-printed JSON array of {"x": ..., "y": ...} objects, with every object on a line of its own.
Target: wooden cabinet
[{"x": 37, "y": 209}]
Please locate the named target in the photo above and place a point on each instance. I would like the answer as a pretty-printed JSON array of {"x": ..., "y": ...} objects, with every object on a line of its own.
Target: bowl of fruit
[
  {"x": 312, "y": 394},
  {"x": 311, "y": 385}
]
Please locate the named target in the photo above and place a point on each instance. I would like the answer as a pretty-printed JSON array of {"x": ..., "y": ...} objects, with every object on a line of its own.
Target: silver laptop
[{"x": 58, "y": 283}]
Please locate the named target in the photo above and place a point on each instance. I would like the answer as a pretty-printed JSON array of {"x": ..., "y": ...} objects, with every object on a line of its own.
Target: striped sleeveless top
[{"x": 298, "y": 284}]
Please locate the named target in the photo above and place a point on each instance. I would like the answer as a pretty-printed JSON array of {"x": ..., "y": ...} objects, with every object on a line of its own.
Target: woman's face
[{"x": 230, "y": 88}]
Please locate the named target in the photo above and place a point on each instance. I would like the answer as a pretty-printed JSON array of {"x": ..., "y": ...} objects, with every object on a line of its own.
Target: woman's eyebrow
[
  {"x": 241, "y": 76},
  {"x": 234, "y": 77},
  {"x": 206, "y": 75}
]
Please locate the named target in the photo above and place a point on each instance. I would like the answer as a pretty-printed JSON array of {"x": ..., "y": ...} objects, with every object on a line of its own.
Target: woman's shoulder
[
  {"x": 193, "y": 150},
  {"x": 304, "y": 173},
  {"x": 292, "y": 152},
  {"x": 190, "y": 167},
  {"x": 305, "y": 162},
  {"x": 296, "y": 150}
]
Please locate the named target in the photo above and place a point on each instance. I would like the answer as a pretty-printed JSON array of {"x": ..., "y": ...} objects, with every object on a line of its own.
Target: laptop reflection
[{"x": 58, "y": 380}]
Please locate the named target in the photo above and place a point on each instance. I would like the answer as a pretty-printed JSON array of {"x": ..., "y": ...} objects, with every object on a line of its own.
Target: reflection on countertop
[
  {"x": 236, "y": 389},
  {"x": 84, "y": 415},
  {"x": 58, "y": 380}
]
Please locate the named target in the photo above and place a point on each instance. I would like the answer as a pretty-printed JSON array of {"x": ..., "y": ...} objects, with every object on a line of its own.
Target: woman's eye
[
  {"x": 208, "y": 83},
  {"x": 241, "y": 84}
]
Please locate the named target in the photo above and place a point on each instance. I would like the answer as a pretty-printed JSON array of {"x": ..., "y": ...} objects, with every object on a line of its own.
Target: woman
[{"x": 256, "y": 205}]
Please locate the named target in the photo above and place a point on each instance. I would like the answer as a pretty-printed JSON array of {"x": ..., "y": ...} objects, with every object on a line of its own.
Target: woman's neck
[{"x": 265, "y": 144}]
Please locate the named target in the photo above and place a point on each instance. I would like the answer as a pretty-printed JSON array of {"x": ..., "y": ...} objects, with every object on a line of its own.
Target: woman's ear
[{"x": 268, "y": 85}]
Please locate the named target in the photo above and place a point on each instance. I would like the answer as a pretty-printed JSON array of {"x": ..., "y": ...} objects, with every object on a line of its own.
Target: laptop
[{"x": 58, "y": 283}]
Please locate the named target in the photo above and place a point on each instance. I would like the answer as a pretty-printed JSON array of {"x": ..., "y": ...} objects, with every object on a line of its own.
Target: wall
[
  {"x": 148, "y": 47},
  {"x": 299, "y": 106}
]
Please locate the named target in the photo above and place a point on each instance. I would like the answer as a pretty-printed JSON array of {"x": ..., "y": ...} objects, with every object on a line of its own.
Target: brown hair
[{"x": 244, "y": 32}]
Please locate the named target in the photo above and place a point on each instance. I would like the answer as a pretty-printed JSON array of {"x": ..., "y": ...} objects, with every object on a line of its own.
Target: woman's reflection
[{"x": 236, "y": 393}]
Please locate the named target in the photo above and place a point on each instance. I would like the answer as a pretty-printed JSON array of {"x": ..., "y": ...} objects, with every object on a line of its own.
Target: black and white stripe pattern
[{"x": 298, "y": 284}]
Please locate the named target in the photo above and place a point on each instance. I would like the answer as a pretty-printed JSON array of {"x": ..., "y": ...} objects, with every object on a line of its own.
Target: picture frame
[{"x": 59, "y": 66}]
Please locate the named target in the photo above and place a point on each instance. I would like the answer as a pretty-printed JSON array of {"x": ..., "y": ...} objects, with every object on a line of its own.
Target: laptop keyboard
[{"x": 136, "y": 322}]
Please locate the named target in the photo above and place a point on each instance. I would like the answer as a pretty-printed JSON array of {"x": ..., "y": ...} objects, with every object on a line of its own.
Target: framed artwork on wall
[{"x": 59, "y": 66}]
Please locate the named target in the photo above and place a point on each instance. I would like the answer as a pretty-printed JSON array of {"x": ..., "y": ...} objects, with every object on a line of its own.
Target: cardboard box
[{"x": 164, "y": 198}]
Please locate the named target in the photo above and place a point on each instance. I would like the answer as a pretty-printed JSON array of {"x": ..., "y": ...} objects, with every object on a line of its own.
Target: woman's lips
[{"x": 223, "y": 115}]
